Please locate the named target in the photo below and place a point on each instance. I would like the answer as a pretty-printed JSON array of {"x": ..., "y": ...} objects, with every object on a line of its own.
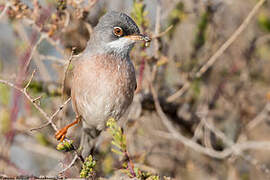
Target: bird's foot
[{"x": 61, "y": 134}]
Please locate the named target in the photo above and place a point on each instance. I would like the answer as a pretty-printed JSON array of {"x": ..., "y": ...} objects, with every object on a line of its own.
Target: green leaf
[
  {"x": 65, "y": 146},
  {"x": 88, "y": 167},
  {"x": 117, "y": 152},
  {"x": 116, "y": 144}
]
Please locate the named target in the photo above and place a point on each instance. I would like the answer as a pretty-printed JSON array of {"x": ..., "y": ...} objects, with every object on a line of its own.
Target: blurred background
[{"x": 189, "y": 120}]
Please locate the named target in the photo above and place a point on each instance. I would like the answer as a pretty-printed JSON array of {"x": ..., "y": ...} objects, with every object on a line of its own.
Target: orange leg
[{"x": 61, "y": 134}]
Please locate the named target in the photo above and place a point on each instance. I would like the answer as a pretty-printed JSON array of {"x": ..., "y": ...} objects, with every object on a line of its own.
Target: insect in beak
[{"x": 139, "y": 37}]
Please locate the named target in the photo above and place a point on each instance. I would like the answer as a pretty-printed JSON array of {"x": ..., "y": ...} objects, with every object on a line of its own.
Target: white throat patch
[{"x": 121, "y": 45}]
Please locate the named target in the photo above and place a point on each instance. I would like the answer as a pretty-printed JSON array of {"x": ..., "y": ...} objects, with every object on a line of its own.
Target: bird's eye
[{"x": 118, "y": 31}]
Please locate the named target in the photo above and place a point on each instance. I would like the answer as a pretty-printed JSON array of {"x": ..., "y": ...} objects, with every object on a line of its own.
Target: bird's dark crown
[
  {"x": 103, "y": 32},
  {"x": 117, "y": 19},
  {"x": 115, "y": 33}
]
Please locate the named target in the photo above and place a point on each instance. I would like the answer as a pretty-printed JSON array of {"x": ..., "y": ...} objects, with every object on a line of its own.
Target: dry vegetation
[{"x": 202, "y": 106}]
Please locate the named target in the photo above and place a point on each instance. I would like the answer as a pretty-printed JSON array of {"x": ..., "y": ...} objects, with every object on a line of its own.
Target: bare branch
[
  {"x": 187, "y": 142},
  {"x": 55, "y": 43},
  {"x": 41, "y": 38},
  {"x": 70, "y": 164},
  {"x": 66, "y": 70},
  {"x": 162, "y": 33},
  {"x": 29, "y": 98},
  {"x": 53, "y": 116},
  {"x": 260, "y": 117},
  {"x": 220, "y": 51},
  {"x": 29, "y": 82},
  {"x": 37, "y": 99},
  {"x": 45, "y": 115},
  {"x": 60, "y": 108},
  {"x": 157, "y": 28},
  {"x": 5, "y": 10},
  {"x": 243, "y": 146},
  {"x": 233, "y": 148},
  {"x": 51, "y": 58}
]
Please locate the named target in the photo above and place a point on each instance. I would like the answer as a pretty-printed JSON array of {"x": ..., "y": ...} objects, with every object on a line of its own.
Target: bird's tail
[{"x": 88, "y": 141}]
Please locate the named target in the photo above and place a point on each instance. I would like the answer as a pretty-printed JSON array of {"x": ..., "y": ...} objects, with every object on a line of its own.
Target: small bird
[{"x": 104, "y": 78}]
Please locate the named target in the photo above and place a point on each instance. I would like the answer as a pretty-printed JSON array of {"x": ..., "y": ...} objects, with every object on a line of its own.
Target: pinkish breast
[{"x": 103, "y": 87}]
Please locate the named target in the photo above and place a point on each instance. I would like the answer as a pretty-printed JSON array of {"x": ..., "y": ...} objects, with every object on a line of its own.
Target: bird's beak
[{"x": 139, "y": 37}]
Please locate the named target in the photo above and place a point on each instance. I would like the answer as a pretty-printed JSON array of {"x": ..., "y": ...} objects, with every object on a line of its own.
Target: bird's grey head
[{"x": 115, "y": 33}]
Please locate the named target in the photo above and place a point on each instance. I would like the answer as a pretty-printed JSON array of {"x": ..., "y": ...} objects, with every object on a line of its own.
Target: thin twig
[
  {"x": 29, "y": 82},
  {"x": 233, "y": 148},
  {"x": 157, "y": 28},
  {"x": 55, "y": 43},
  {"x": 45, "y": 115},
  {"x": 37, "y": 99},
  {"x": 179, "y": 93},
  {"x": 5, "y": 10},
  {"x": 41, "y": 127},
  {"x": 41, "y": 66},
  {"x": 220, "y": 51},
  {"x": 198, "y": 132},
  {"x": 259, "y": 118},
  {"x": 60, "y": 108},
  {"x": 51, "y": 58},
  {"x": 236, "y": 147},
  {"x": 70, "y": 164},
  {"x": 53, "y": 116},
  {"x": 41, "y": 38},
  {"x": 29, "y": 98},
  {"x": 177, "y": 135},
  {"x": 243, "y": 146},
  {"x": 32, "y": 23},
  {"x": 66, "y": 71},
  {"x": 234, "y": 36},
  {"x": 162, "y": 33}
]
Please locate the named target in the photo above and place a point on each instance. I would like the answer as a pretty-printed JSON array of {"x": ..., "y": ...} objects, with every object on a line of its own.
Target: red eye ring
[{"x": 118, "y": 31}]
